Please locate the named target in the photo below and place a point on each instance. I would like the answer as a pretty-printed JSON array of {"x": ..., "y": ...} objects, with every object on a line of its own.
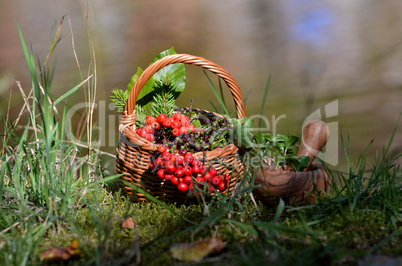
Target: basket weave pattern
[{"x": 133, "y": 152}]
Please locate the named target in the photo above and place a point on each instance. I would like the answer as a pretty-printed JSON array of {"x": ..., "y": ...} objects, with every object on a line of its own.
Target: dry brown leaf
[
  {"x": 128, "y": 223},
  {"x": 197, "y": 250},
  {"x": 55, "y": 254}
]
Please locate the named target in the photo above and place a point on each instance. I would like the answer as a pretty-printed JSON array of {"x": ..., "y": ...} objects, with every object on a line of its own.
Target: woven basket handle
[{"x": 192, "y": 60}]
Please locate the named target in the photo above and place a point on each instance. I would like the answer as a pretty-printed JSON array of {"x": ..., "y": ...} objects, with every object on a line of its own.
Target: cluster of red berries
[
  {"x": 178, "y": 123},
  {"x": 185, "y": 171}
]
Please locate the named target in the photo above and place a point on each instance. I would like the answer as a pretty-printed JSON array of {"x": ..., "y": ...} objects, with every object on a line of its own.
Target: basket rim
[{"x": 127, "y": 129}]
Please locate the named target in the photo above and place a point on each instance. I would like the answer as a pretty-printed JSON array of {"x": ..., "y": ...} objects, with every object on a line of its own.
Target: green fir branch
[
  {"x": 164, "y": 98},
  {"x": 119, "y": 98}
]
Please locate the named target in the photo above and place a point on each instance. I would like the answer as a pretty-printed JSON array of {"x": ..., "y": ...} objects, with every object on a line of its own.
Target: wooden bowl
[{"x": 291, "y": 187}]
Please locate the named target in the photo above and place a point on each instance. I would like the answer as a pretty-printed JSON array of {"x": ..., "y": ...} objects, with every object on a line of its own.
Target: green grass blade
[
  {"x": 42, "y": 105},
  {"x": 393, "y": 135},
  {"x": 214, "y": 107},
  {"x": 220, "y": 100},
  {"x": 29, "y": 59},
  {"x": 221, "y": 92},
  {"x": 281, "y": 228},
  {"x": 246, "y": 97},
  {"x": 263, "y": 107},
  {"x": 385, "y": 240},
  {"x": 279, "y": 210},
  {"x": 67, "y": 94},
  {"x": 3, "y": 169}
]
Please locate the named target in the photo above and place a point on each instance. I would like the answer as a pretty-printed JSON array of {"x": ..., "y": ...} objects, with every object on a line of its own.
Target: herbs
[
  {"x": 274, "y": 150},
  {"x": 280, "y": 150}
]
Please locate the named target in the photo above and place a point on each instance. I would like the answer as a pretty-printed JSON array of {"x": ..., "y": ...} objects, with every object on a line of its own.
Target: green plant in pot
[{"x": 294, "y": 179}]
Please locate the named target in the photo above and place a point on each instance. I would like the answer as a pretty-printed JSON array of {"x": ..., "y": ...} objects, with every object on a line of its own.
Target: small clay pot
[{"x": 291, "y": 187}]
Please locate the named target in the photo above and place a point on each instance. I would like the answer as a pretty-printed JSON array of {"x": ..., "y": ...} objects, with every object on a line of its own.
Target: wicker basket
[{"x": 133, "y": 152}]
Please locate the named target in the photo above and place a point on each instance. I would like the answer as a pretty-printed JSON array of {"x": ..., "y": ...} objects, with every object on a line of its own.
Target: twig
[
  {"x": 73, "y": 43},
  {"x": 253, "y": 200},
  {"x": 372, "y": 191},
  {"x": 25, "y": 103}
]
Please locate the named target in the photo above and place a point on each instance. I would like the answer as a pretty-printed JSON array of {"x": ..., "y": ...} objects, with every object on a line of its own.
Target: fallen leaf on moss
[
  {"x": 128, "y": 223},
  {"x": 55, "y": 254},
  {"x": 197, "y": 250}
]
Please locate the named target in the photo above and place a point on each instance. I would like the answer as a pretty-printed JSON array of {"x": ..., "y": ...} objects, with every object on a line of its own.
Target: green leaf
[
  {"x": 267, "y": 136},
  {"x": 290, "y": 141},
  {"x": 298, "y": 164},
  {"x": 304, "y": 160},
  {"x": 279, "y": 138},
  {"x": 289, "y": 144},
  {"x": 145, "y": 96},
  {"x": 174, "y": 73},
  {"x": 196, "y": 123},
  {"x": 247, "y": 123}
]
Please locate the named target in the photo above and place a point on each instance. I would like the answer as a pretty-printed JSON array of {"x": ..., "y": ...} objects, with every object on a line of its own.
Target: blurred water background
[{"x": 340, "y": 60}]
